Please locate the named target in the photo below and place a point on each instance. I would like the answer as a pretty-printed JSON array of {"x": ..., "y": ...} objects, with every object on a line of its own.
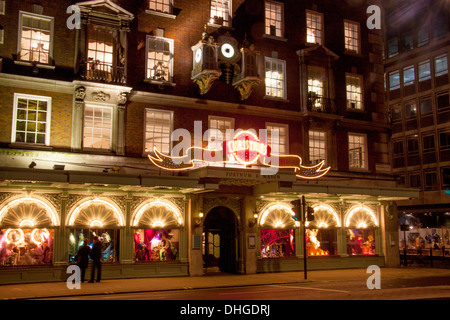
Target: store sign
[{"x": 246, "y": 149}]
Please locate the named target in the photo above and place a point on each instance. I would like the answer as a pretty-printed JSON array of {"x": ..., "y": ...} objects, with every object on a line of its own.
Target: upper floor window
[
  {"x": 314, "y": 27},
  {"x": 354, "y": 91},
  {"x": 220, "y": 126},
  {"x": 161, "y": 5},
  {"x": 423, "y": 36},
  {"x": 275, "y": 78},
  {"x": 35, "y": 41},
  {"x": 100, "y": 52},
  {"x": 440, "y": 65},
  {"x": 444, "y": 140},
  {"x": 424, "y": 70},
  {"x": 278, "y": 137},
  {"x": 158, "y": 128},
  {"x": 392, "y": 47},
  {"x": 317, "y": 146},
  {"x": 274, "y": 18},
  {"x": 351, "y": 33},
  {"x": 97, "y": 128},
  {"x": 31, "y": 119},
  {"x": 159, "y": 64},
  {"x": 409, "y": 75},
  {"x": 394, "y": 80},
  {"x": 357, "y": 151},
  {"x": 221, "y": 12}
]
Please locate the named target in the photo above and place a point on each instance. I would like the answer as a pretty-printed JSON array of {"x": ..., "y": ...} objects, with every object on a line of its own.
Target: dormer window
[
  {"x": 160, "y": 5},
  {"x": 159, "y": 59},
  {"x": 221, "y": 12},
  {"x": 314, "y": 27}
]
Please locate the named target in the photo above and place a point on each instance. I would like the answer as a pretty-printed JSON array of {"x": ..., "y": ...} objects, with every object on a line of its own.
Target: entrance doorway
[{"x": 220, "y": 240}]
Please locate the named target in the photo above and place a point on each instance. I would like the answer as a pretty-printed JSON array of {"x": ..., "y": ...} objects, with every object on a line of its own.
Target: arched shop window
[
  {"x": 321, "y": 234},
  {"x": 95, "y": 218},
  {"x": 361, "y": 223},
  {"x": 277, "y": 232},
  {"x": 156, "y": 233},
  {"x": 27, "y": 233}
]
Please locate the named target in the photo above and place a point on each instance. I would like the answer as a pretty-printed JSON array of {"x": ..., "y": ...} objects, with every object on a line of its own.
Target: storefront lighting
[
  {"x": 85, "y": 204},
  {"x": 48, "y": 210},
  {"x": 330, "y": 210},
  {"x": 96, "y": 223},
  {"x": 366, "y": 211},
  {"x": 169, "y": 207},
  {"x": 17, "y": 241},
  {"x": 44, "y": 235},
  {"x": 158, "y": 224},
  {"x": 323, "y": 225},
  {"x": 26, "y": 223},
  {"x": 362, "y": 225}
]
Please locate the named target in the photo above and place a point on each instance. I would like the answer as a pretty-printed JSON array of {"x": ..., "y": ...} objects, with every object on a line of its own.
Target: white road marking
[{"x": 309, "y": 288}]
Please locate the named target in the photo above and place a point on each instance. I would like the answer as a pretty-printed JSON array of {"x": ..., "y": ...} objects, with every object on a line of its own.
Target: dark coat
[
  {"x": 82, "y": 256},
  {"x": 96, "y": 252}
]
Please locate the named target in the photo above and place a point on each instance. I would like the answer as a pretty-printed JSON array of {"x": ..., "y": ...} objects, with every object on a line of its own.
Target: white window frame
[
  {"x": 219, "y": 118},
  {"x": 226, "y": 23},
  {"x": 322, "y": 33},
  {"x": 361, "y": 89},
  {"x": 168, "y": 3},
  {"x": 286, "y": 138},
  {"x": 18, "y": 96},
  {"x": 408, "y": 68},
  {"x": 422, "y": 63},
  {"x": 283, "y": 89},
  {"x": 111, "y": 140},
  {"x": 23, "y": 14},
  {"x": 266, "y": 18},
  {"x": 364, "y": 153},
  {"x": 171, "y": 47},
  {"x": 357, "y": 39},
  {"x": 171, "y": 113},
  {"x": 312, "y": 138},
  {"x": 390, "y": 74}
]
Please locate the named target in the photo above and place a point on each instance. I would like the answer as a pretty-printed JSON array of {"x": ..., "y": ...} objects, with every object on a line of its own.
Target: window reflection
[
  {"x": 108, "y": 237},
  {"x": 360, "y": 241},
  {"x": 277, "y": 243},
  {"x": 152, "y": 245}
]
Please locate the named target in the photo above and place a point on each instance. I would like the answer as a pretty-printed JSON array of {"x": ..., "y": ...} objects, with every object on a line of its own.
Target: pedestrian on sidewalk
[
  {"x": 96, "y": 255},
  {"x": 82, "y": 258}
]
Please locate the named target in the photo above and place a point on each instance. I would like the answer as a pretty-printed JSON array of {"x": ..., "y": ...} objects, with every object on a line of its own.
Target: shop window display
[
  {"x": 277, "y": 243},
  {"x": 108, "y": 237},
  {"x": 360, "y": 241},
  {"x": 154, "y": 245},
  {"x": 26, "y": 247},
  {"x": 321, "y": 242}
]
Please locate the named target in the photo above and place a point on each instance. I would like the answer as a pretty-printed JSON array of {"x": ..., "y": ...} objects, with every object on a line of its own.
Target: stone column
[
  {"x": 77, "y": 118},
  {"x": 61, "y": 241},
  {"x": 342, "y": 242},
  {"x": 195, "y": 227},
  {"x": 184, "y": 232},
  {"x": 389, "y": 234},
  {"x": 126, "y": 254},
  {"x": 120, "y": 138},
  {"x": 249, "y": 229}
]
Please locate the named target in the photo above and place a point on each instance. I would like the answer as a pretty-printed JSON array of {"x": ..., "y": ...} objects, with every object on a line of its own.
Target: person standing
[
  {"x": 82, "y": 258},
  {"x": 96, "y": 255}
]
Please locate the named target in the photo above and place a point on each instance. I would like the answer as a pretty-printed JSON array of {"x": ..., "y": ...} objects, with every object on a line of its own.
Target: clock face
[
  {"x": 198, "y": 55},
  {"x": 227, "y": 50}
]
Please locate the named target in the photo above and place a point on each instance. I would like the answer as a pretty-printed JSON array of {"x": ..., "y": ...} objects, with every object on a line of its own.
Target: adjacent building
[
  {"x": 417, "y": 46},
  {"x": 110, "y": 110}
]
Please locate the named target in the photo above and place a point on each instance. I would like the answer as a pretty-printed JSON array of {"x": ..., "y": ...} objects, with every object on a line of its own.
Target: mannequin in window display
[
  {"x": 137, "y": 244},
  {"x": 72, "y": 250},
  {"x": 149, "y": 234},
  {"x": 80, "y": 240}
]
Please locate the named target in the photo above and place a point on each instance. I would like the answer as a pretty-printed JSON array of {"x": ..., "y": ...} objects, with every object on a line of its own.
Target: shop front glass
[
  {"x": 360, "y": 241},
  {"x": 26, "y": 247},
  {"x": 277, "y": 243},
  {"x": 321, "y": 242},
  {"x": 156, "y": 245},
  {"x": 110, "y": 239}
]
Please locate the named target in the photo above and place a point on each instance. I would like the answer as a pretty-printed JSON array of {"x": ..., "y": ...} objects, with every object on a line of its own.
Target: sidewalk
[{"x": 59, "y": 289}]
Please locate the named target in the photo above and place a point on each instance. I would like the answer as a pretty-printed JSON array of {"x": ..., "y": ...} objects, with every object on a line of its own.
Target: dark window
[
  {"x": 422, "y": 36},
  {"x": 414, "y": 180},
  {"x": 446, "y": 177},
  {"x": 443, "y": 101},
  {"x": 410, "y": 109},
  {"x": 398, "y": 154},
  {"x": 408, "y": 42},
  {"x": 413, "y": 145},
  {"x": 429, "y": 148},
  {"x": 430, "y": 180},
  {"x": 392, "y": 48},
  {"x": 444, "y": 140},
  {"x": 426, "y": 105}
]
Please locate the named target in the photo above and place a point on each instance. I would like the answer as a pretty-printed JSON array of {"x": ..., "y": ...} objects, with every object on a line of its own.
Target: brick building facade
[{"x": 83, "y": 108}]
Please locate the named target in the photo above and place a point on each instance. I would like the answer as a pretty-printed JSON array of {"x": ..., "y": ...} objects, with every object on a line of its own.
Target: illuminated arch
[
  {"x": 360, "y": 217},
  {"x": 28, "y": 212},
  {"x": 95, "y": 213},
  {"x": 278, "y": 216},
  {"x": 157, "y": 214},
  {"x": 325, "y": 216}
]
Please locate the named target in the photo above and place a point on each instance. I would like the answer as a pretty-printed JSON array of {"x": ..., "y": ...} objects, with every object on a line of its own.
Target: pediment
[
  {"x": 106, "y": 9},
  {"x": 318, "y": 51}
]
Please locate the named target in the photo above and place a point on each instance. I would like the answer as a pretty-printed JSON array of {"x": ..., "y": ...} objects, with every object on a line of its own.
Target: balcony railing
[
  {"x": 102, "y": 72},
  {"x": 321, "y": 104}
]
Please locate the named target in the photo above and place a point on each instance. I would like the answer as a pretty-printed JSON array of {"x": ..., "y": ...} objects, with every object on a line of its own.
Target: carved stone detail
[
  {"x": 231, "y": 203},
  {"x": 205, "y": 81},
  {"x": 101, "y": 96}
]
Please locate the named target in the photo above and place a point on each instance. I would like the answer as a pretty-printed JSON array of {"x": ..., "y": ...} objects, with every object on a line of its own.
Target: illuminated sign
[{"x": 246, "y": 149}]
